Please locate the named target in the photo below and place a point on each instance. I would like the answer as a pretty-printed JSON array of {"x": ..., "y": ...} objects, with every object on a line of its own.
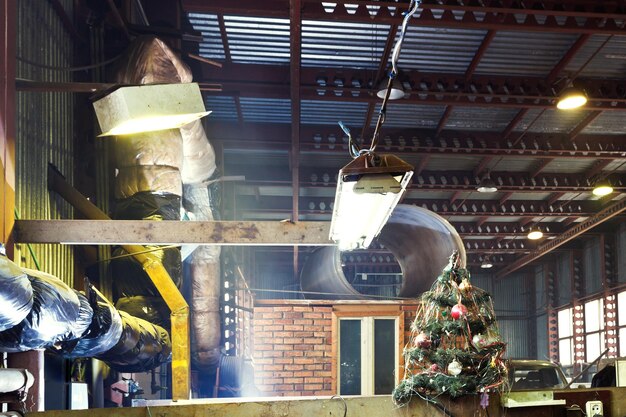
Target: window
[
  {"x": 621, "y": 322},
  {"x": 368, "y": 355},
  {"x": 566, "y": 336},
  {"x": 594, "y": 329}
]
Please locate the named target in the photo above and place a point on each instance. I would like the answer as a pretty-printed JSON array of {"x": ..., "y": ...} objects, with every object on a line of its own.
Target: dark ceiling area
[{"x": 481, "y": 81}]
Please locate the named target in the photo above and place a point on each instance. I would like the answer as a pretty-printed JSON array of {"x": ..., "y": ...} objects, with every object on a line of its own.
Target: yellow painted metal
[{"x": 179, "y": 310}]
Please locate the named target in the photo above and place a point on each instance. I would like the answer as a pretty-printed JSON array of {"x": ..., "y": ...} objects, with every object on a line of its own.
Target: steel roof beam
[
  {"x": 315, "y": 138},
  {"x": 573, "y": 16},
  {"x": 582, "y": 227}
]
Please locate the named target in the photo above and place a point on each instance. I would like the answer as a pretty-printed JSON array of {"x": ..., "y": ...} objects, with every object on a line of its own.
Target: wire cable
[
  {"x": 69, "y": 69},
  {"x": 345, "y": 405}
]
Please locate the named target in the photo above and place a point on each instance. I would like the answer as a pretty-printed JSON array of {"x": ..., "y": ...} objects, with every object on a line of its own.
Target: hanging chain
[{"x": 354, "y": 148}]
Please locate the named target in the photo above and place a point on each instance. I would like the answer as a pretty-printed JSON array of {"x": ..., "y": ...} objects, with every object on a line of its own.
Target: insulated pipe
[
  {"x": 420, "y": 240},
  {"x": 15, "y": 379}
]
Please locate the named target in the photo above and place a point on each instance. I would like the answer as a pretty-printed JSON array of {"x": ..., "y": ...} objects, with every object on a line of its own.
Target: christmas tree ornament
[
  {"x": 434, "y": 368},
  {"x": 423, "y": 341},
  {"x": 458, "y": 311},
  {"x": 484, "y": 400},
  {"x": 454, "y": 368},
  {"x": 465, "y": 285},
  {"x": 479, "y": 341}
]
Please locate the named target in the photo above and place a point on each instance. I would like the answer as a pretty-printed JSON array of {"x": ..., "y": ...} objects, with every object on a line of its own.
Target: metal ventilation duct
[{"x": 420, "y": 240}]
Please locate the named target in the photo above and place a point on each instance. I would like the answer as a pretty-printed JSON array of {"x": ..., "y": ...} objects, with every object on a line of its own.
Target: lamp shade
[
  {"x": 397, "y": 91},
  {"x": 486, "y": 264},
  {"x": 571, "y": 98},
  {"x": 148, "y": 108},
  {"x": 368, "y": 189},
  {"x": 535, "y": 234},
  {"x": 602, "y": 188},
  {"x": 487, "y": 185}
]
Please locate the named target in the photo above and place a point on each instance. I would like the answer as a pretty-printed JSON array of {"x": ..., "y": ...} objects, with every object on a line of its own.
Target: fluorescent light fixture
[
  {"x": 486, "y": 264},
  {"x": 368, "y": 189},
  {"x": 571, "y": 98},
  {"x": 487, "y": 185},
  {"x": 397, "y": 91},
  {"x": 148, "y": 108},
  {"x": 602, "y": 188},
  {"x": 535, "y": 234}
]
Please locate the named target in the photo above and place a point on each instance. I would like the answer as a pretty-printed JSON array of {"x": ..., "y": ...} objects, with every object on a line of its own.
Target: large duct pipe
[
  {"x": 15, "y": 379},
  {"x": 149, "y": 60},
  {"x": 420, "y": 240}
]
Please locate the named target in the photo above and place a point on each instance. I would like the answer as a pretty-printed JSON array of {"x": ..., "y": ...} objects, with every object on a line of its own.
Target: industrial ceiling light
[
  {"x": 148, "y": 108},
  {"x": 535, "y": 234},
  {"x": 368, "y": 189},
  {"x": 486, "y": 264},
  {"x": 602, "y": 188},
  {"x": 571, "y": 98},
  {"x": 397, "y": 91},
  {"x": 487, "y": 185}
]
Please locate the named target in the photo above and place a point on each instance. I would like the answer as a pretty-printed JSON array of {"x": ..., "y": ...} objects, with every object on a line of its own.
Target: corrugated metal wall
[
  {"x": 621, "y": 253},
  {"x": 591, "y": 266},
  {"x": 510, "y": 296},
  {"x": 44, "y": 128},
  {"x": 563, "y": 278}
]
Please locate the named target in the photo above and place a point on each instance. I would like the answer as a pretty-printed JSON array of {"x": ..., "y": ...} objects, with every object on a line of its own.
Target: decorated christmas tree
[{"x": 455, "y": 346}]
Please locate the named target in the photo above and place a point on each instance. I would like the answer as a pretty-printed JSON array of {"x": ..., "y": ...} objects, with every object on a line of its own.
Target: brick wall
[{"x": 292, "y": 350}]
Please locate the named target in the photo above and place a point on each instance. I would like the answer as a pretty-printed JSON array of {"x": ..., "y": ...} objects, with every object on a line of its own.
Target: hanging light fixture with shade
[
  {"x": 602, "y": 188},
  {"x": 486, "y": 263},
  {"x": 535, "y": 233},
  {"x": 370, "y": 187},
  {"x": 487, "y": 185},
  {"x": 571, "y": 98},
  {"x": 147, "y": 108},
  {"x": 397, "y": 90}
]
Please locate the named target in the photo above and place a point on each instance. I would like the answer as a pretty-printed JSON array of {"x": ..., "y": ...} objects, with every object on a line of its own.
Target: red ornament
[
  {"x": 423, "y": 341},
  {"x": 434, "y": 368},
  {"x": 458, "y": 311}
]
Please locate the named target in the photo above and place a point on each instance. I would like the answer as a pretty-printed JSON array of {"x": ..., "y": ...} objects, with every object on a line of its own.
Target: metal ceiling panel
[
  {"x": 568, "y": 166},
  {"x": 524, "y": 53},
  {"x": 266, "y": 110},
  {"x": 342, "y": 44},
  {"x": 211, "y": 46},
  {"x": 223, "y": 108},
  {"x": 608, "y": 123},
  {"x": 457, "y": 163},
  {"x": 431, "y": 49},
  {"x": 411, "y": 116},
  {"x": 610, "y": 62},
  {"x": 259, "y": 40},
  {"x": 317, "y": 112},
  {"x": 551, "y": 121},
  {"x": 492, "y": 119}
]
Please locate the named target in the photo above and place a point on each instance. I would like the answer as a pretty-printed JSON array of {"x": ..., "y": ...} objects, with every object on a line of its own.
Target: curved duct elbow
[{"x": 420, "y": 240}]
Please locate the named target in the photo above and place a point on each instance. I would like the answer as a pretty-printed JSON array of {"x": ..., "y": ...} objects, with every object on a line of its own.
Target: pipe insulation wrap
[
  {"x": 421, "y": 241},
  {"x": 16, "y": 294},
  {"x": 15, "y": 379}
]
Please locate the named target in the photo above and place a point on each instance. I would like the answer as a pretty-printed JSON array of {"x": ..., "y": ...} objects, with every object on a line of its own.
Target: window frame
[{"x": 367, "y": 340}]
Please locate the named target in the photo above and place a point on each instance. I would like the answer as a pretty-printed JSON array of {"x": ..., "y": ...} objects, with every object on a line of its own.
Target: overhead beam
[
  {"x": 262, "y": 136},
  {"x": 581, "y": 16},
  {"x": 584, "y": 226},
  {"x": 135, "y": 232}
]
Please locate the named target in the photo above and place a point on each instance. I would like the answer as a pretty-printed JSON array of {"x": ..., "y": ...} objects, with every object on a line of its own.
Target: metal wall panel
[
  {"x": 621, "y": 253},
  {"x": 510, "y": 296},
  {"x": 563, "y": 279},
  {"x": 515, "y": 334},
  {"x": 44, "y": 128},
  {"x": 591, "y": 265},
  {"x": 542, "y": 337},
  {"x": 541, "y": 302}
]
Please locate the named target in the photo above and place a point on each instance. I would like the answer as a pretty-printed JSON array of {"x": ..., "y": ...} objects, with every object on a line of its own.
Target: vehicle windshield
[{"x": 530, "y": 377}]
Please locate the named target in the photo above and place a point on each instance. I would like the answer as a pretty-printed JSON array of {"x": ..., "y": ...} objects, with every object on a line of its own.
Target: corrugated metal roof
[
  {"x": 457, "y": 163},
  {"x": 222, "y": 107},
  {"x": 342, "y": 44},
  {"x": 268, "y": 110},
  {"x": 439, "y": 49},
  {"x": 524, "y": 53},
  {"x": 260, "y": 40},
  {"x": 318, "y": 112},
  {"x": 551, "y": 121},
  {"x": 608, "y": 123},
  {"x": 609, "y": 62},
  {"x": 480, "y": 118},
  {"x": 410, "y": 115},
  {"x": 211, "y": 45}
]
